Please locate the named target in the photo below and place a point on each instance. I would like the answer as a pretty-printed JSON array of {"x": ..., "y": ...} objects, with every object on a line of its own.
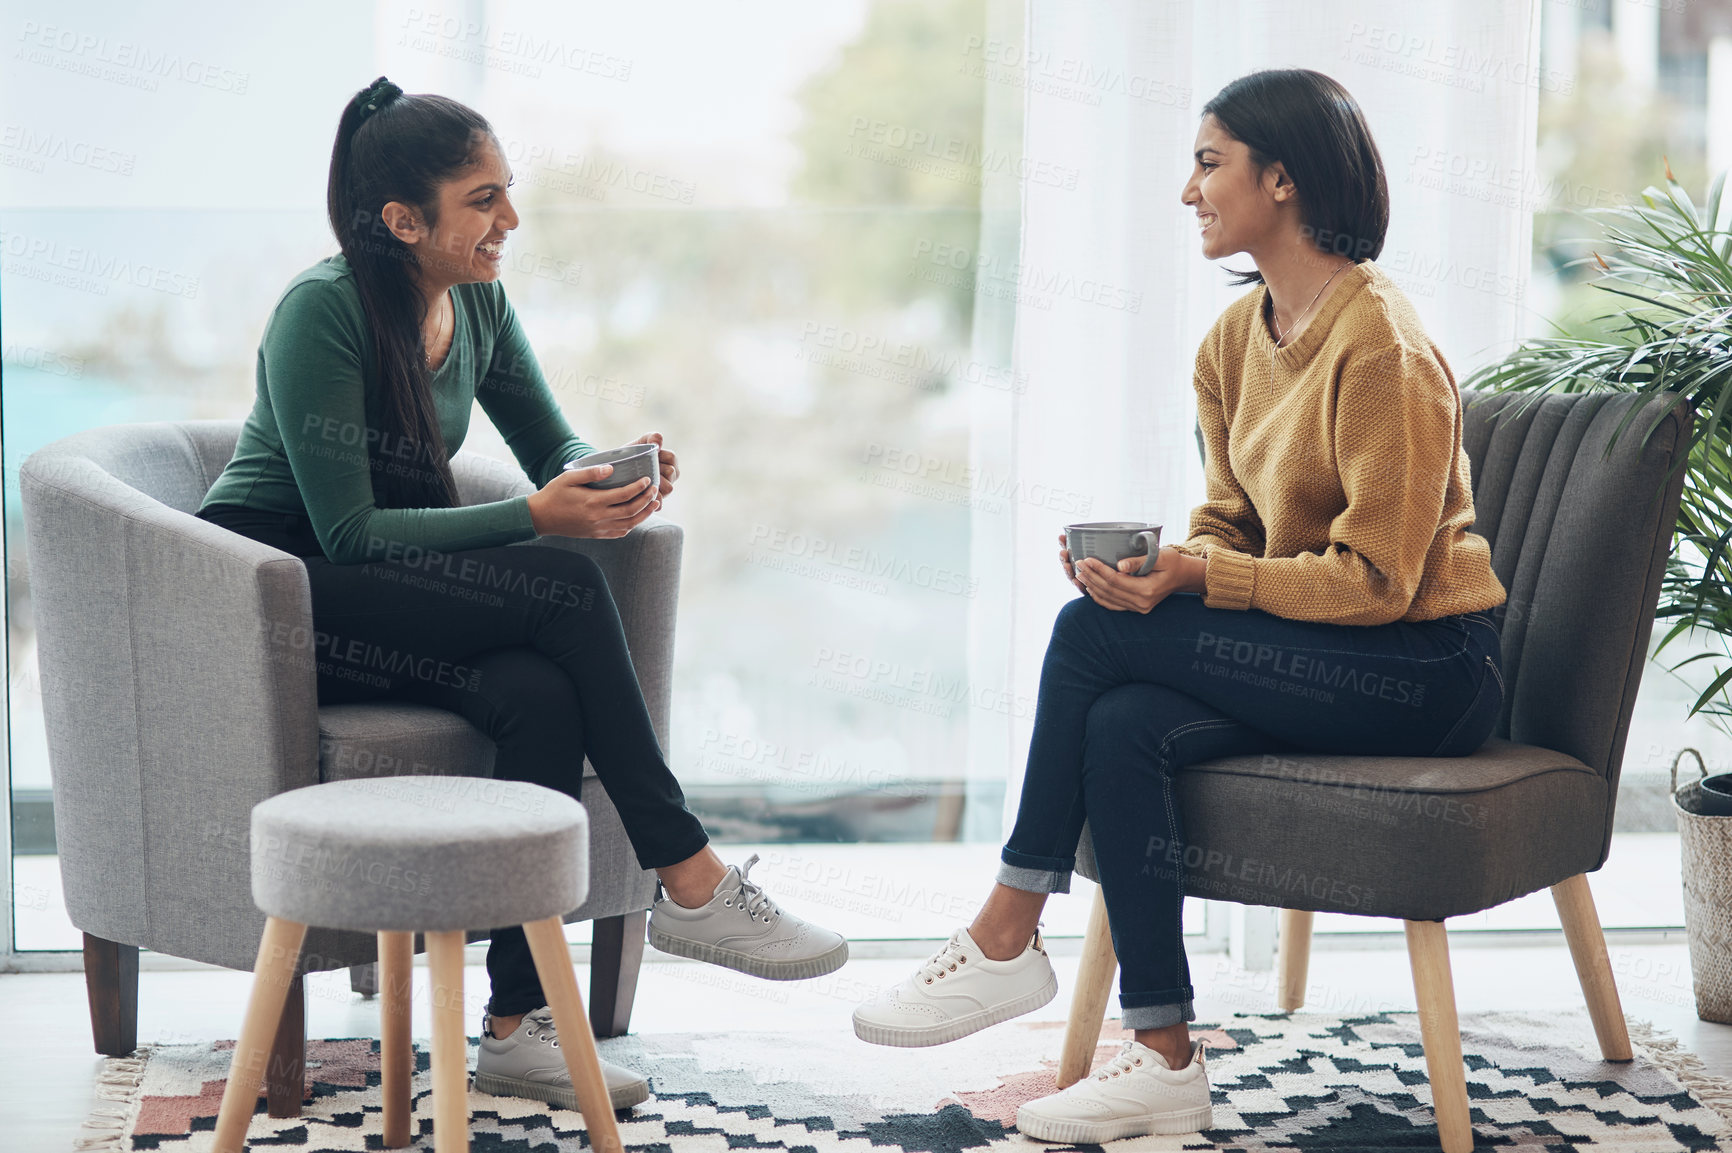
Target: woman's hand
[
  {"x": 670, "y": 466},
  {"x": 1120, "y": 589},
  {"x": 1064, "y": 560},
  {"x": 566, "y": 508}
]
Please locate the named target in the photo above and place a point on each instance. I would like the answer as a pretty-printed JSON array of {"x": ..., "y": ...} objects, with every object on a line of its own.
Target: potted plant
[{"x": 1668, "y": 266}]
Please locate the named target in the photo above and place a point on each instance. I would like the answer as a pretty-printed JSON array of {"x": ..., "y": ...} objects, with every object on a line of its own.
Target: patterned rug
[{"x": 1303, "y": 1081}]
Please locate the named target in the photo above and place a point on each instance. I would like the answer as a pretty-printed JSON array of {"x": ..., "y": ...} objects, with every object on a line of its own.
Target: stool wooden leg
[
  {"x": 1088, "y": 1003},
  {"x": 450, "y": 1048},
  {"x": 396, "y": 1057},
  {"x": 559, "y": 984},
  {"x": 275, "y": 969}
]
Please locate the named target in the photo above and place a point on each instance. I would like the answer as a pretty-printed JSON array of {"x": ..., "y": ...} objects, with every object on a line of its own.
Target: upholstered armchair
[
  {"x": 1580, "y": 542},
  {"x": 170, "y": 713}
]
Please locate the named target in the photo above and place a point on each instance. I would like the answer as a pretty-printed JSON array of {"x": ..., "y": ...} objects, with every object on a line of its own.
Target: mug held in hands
[
  {"x": 631, "y": 463},
  {"x": 1111, "y": 541}
]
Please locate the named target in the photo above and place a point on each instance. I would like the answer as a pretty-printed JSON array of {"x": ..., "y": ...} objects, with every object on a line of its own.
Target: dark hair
[
  {"x": 1309, "y": 123},
  {"x": 401, "y": 149}
]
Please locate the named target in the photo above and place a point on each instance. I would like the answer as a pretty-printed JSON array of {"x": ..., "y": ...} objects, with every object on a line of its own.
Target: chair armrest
[
  {"x": 484, "y": 480},
  {"x": 178, "y": 690}
]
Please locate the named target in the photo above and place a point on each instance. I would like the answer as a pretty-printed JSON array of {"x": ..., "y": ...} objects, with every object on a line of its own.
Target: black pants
[{"x": 525, "y": 643}]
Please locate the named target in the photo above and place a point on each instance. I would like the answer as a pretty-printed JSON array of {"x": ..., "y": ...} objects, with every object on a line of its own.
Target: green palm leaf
[{"x": 1668, "y": 267}]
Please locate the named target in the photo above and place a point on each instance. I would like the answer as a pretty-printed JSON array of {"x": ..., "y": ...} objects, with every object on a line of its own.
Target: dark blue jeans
[
  {"x": 1127, "y": 699},
  {"x": 526, "y": 643}
]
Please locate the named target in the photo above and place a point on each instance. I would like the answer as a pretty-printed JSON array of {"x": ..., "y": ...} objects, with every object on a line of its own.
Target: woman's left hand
[
  {"x": 1122, "y": 590},
  {"x": 670, "y": 465}
]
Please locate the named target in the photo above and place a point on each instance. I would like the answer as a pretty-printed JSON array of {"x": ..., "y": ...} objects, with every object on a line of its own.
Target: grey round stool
[{"x": 435, "y": 855}]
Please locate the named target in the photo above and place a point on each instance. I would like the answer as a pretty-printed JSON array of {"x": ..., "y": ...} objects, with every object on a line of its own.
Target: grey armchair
[
  {"x": 170, "y": 713},
  {"x": 1580, "y": 543}
]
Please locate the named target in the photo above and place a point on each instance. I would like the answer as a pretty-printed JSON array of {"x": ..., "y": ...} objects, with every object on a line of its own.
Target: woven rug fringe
[
  {"x": 118, "y": 1080},
  {"x": 1664, "y": 1050}
]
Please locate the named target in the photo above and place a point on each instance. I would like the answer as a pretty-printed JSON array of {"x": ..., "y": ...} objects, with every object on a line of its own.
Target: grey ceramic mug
[
  {"x": 1112, "y": 541},
  {"x": 630, "y": 462}
]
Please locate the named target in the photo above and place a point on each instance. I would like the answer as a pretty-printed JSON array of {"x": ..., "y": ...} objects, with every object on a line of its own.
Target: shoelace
[
  {"x": 541, "y": 1026},
  {"x": 953, "y": 954},
  {"x": 945, "y": 960},
  {"x": 1123, "y": 1063},
  {"x": 751, "y": 895}
]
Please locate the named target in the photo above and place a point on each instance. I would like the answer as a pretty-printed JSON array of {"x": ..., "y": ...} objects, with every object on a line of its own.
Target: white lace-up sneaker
[
  {"x": 1132, "y": 1095},
  {"x": 529, "y": 1063},
  {"x": 741, "y": 928},
  {"x": 958, "y": 991}
]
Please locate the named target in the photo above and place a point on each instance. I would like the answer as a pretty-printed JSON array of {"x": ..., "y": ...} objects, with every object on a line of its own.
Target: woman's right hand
[
  {"x": 566, "y": 508},
  {"x": 1069, "y": 568}
]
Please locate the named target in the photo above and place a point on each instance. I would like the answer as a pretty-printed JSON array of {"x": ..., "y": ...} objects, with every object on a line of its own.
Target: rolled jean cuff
[
  {"x": 1033, "y": 874},
  {"x": 1157, "y": 1016},
  {"x": 1157, "y": 1010}
]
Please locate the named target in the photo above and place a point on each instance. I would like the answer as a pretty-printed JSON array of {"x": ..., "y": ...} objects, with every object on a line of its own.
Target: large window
[
  {"x": 1636, "y": 101},
  {"x": 749, "y": 231},
  {"x": 756, "y": 229}
]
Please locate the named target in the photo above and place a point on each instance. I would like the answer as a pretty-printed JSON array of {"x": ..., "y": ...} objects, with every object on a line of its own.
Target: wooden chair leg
[
  {"x": 450, "y": 1046},
  {"x": 1294, "y": 959},
  {"x": 1575, "y": 902},
  {"x": 1428, "y": 953},
  {"x": 111, "y": 986},
  {"x": 396, "y": 1056},
  {"x": 1088, "y": 1003},
  {"x": 364, "y": 979},
  {"x": 277, "y": 968},
  {"x": 615, "y": 954},
  {"x": 286, "y": 1073},
  {"x": 559, "y": 984}
]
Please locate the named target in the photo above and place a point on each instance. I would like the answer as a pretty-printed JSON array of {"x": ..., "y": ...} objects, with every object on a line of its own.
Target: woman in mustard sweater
[{"x": 1330, "y": 597}]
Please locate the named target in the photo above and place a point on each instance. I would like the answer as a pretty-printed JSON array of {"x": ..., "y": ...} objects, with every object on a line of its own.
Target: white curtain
[{"x": 1112, "y": 296}]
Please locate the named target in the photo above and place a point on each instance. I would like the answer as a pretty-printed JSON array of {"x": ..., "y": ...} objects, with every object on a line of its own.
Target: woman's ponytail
[{"x": 392, "y": 146}]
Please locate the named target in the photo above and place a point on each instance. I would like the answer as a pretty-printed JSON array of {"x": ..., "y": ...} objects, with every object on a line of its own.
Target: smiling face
[
  {"x": 1238, "y": 208},
  {"x": 474, "y": 214}
]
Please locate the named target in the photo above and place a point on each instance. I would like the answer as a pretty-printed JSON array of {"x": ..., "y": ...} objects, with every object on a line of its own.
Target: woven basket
[{"x": 1707, "y": 850}]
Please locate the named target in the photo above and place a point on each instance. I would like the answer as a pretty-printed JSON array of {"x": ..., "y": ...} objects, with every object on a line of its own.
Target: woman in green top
[{"x": 367, "y": 373}]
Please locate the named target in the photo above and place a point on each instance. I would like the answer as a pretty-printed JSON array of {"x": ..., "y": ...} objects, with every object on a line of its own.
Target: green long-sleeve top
[{"x": 304, "y": 447}]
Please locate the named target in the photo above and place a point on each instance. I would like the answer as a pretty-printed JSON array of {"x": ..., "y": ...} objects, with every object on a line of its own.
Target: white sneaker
[
  {"x": 958, "y": 991},
  {"x": 1133, "y": 1094},
  {"x": 741, "y": 928}
]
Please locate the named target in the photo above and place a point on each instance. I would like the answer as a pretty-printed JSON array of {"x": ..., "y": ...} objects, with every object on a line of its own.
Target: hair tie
[{"x": 372, "y": 96}]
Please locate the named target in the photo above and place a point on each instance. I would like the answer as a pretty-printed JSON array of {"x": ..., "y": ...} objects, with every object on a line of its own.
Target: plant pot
[{"x": 1705, "y": 844}]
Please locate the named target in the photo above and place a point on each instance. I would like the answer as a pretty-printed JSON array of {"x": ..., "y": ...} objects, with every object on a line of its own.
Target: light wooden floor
[{"x": 47, "y": 1065}]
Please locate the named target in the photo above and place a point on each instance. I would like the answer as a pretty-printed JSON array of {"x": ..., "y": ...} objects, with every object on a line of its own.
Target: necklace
[
  {"x": 441, "y": 331},
  {"x": 1273, "y": 319}
]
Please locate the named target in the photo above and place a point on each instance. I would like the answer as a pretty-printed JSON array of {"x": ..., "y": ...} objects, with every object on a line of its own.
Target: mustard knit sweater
[{"x": 1338, "y": 489}]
